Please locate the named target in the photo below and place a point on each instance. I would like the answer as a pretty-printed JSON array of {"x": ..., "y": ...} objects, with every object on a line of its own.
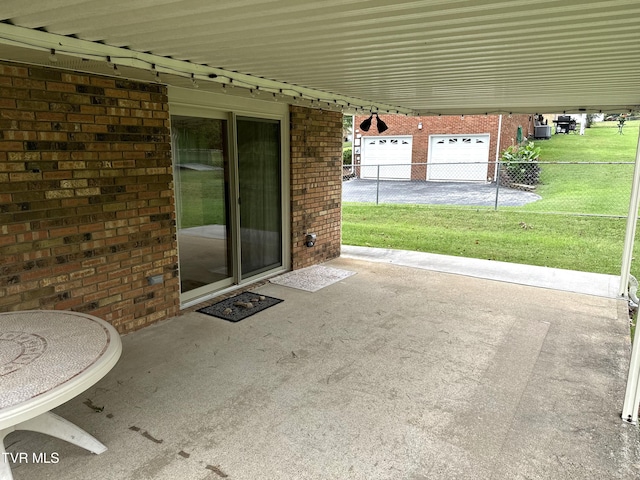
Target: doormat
[
  {"x": 241, "y": 306},
  {"x": 312, "y": 279}
]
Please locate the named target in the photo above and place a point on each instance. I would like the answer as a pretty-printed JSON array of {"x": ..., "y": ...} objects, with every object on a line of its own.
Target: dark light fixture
[
  {"x": 381, "y": 125},
  {"x": 366, "y": 124}
]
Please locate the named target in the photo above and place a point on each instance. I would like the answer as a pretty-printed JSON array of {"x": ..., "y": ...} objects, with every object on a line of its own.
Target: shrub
[
  {"x": 520, "y": 164},
  {"x": 347, "y": 156}
]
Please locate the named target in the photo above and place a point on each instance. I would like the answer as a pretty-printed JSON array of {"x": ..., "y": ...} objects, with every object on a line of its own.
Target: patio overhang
[{"x": 419, "y": 57}]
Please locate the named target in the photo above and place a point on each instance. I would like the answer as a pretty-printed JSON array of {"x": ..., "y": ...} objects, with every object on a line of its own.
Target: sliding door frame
[{"x": 186, "y": 102}]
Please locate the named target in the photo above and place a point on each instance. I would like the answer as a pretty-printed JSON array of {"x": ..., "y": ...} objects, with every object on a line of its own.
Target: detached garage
[
  {"x": 392, "y": 155},
  {"x": 427, "y": 147},
  {"x": 458, "y": 157}
]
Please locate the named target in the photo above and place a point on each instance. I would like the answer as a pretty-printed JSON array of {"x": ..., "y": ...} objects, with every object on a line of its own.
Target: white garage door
[
  {"x": 392, "y": 155},
  {"x": 458, "y": 157}
]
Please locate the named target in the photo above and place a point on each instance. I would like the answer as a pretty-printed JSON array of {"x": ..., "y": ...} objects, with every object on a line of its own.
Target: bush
[
  {"x": 520, "y": 165},
  {"x": 347, "y": 156}
]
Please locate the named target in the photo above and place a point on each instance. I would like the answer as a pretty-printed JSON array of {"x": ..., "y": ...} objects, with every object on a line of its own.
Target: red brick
[
  {"x": 67, "y": 237},
  {"x": 320, "y": 173}
]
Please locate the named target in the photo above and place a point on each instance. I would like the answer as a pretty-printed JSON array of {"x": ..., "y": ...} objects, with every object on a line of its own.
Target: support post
[
  {"x": 632, "y": 393},
  {"x": 632, "y": 221},
  {"x": 497, "y": 185},
  {"x": 497, "y": 172},
  {"x": 378, "y": 185}
]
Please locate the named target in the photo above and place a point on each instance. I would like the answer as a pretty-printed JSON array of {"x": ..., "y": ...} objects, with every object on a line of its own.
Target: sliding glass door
[
  {"x": 259, "y": 174},
  {"x": 201, "y": 174},
  {"x": 228, "y": 186}
]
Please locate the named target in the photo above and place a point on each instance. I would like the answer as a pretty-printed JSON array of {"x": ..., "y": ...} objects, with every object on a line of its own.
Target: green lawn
[
  {"x": 584, "y": 243},
  {"x": 600, "y": 143},
  {"x": 591, "y": 189},
  {"x": 201, "y": 199},
  {"x": 590, "y": 244}
]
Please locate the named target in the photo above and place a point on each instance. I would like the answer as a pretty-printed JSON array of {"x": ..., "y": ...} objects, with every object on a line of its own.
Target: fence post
[
  {"x": 378, "y": 185},
  {"x": 497, "y": 185}
]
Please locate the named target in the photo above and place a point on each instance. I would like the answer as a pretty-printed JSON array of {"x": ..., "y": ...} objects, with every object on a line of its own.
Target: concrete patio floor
[{"x": 393, "y": 373}]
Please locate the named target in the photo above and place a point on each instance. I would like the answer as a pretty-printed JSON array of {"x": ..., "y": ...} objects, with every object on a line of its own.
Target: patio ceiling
[{"x": 413, "y": 56}]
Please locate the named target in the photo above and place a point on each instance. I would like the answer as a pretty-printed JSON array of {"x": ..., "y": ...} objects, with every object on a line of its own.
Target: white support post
[
  {"x": 632, "y": 220},
  {"x": 632, "y": 394}
]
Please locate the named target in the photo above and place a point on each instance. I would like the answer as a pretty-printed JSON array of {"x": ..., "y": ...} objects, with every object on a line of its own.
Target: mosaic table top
[{"x": 46, "y": 354}]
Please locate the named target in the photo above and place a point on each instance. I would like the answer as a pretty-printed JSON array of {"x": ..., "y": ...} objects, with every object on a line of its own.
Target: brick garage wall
[
  {"x": 86, "y": 199},
  {"x": 316, "y": 184},
  {"x": 510, "y": 124},
  {"x": 449, "y": 124}
]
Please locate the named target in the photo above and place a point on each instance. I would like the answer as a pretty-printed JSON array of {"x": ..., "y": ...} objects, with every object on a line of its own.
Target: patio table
[{"x": 48, "y": 357}]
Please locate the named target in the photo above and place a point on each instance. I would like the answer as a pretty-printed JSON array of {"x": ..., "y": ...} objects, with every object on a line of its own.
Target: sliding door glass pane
[
  {"x": 201, "y": 172},
  {"x": 259, "y": 175}
]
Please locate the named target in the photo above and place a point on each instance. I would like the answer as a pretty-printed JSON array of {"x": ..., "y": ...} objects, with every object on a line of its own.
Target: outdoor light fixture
[
  {"x": 366, "y": 125},
  {"x": 381, "y": 125},
  {"x": 310, "y": 239}
]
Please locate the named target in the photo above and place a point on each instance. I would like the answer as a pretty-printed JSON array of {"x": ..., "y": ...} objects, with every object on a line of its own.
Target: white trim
[{"x": 196, "y": 102}]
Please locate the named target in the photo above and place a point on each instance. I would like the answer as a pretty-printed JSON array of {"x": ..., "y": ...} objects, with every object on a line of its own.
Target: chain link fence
[{"x": 594, "y": 188}]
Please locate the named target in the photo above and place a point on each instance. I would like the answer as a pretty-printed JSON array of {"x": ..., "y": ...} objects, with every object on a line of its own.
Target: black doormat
[{"x": 240, "y": 307}]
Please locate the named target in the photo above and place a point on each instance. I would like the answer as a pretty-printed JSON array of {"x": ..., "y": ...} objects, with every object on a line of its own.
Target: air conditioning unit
[{"x": 542, "y": 131}]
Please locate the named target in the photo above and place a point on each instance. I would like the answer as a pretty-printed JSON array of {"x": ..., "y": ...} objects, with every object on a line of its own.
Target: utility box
[{"x": 542, "y": 132}]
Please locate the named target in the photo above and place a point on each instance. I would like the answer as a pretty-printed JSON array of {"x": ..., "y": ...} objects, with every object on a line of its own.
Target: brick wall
[
  {"x": 86, "y": 200},
  {"x": 449, "y": 124},
  {"x": 510, "y": 124},
  {"x": 316, "y": 184}
]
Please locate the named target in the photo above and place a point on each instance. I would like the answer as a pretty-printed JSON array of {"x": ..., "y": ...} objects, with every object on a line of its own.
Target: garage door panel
[
  {"x": 390, "y": 157},
  {"x": 458, "y": 157}
]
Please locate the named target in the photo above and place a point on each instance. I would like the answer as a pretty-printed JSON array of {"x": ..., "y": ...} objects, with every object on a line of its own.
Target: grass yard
[
  {"x": 201, "y": 198},
  {"x": 589, "y": 244},
  {"x": 592, "y": 189},
  {"x": 520, "y": 235}
]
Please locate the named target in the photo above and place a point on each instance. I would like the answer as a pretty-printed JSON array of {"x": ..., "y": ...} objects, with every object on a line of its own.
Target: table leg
[
  {"x": 51, "y": 424},
  {"x": 55, "y": 426},
  {"x": 5, "y": 466}
]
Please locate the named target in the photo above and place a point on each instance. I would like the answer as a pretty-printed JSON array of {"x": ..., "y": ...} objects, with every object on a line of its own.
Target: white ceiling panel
[{"x": 422, "y": 56}]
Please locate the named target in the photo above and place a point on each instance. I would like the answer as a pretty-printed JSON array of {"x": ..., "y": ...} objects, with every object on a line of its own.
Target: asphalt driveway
[{"x": 434, "y": 193}]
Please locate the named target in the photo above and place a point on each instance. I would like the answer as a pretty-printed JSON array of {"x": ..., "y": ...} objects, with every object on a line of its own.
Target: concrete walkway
[
  {"x": 396, "y": 372},
  {"x": 531, "y": 275}
]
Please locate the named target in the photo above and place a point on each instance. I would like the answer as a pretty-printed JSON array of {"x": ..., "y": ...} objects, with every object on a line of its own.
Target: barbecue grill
[{"x": 565, "y": 124}]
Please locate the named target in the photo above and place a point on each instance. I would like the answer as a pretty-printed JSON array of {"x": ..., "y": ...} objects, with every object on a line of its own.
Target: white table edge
[{"x": 33, "y": 407}]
